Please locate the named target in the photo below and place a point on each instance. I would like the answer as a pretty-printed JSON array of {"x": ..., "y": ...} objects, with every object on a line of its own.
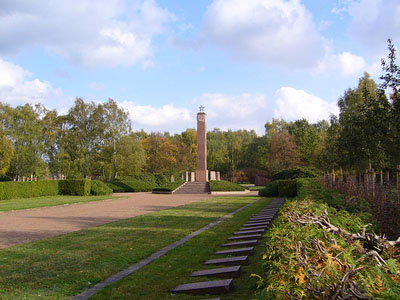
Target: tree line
[{"x": 97, "y": 140}]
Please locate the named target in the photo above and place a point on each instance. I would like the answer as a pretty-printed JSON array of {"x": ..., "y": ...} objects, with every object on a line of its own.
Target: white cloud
[
  {"x": 245, "y": 111},
  {"x": 17, "y": 89},
  {"x": 90, "y": 33},
  {"x": 374, "y": 21},
  {"x": 165, "y": 118},
  {"x": 267, "y": 31},
  {"x": 293, "y": 104},
  {"x": 345, "y": 64}
]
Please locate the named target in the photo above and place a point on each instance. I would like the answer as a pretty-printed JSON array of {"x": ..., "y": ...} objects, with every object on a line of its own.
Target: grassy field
[
  {"x": 157, "y": 279},
  {"x": 25, "y": 203},
  {"x": 61, "y": 267}
]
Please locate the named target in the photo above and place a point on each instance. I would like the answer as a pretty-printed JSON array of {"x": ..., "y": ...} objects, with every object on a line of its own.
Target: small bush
[
  {"x": 130, "y": 186},
  {"x": 169, "y": 187},
  {"x": 287, "y": 188},
  {"x": 75, "y": 187},
  {"x": 28, "y": 189},
  {"x": 270, "y": 190},
  {"x": 225, "y": 186},
  {"x": 99, "y": 188},
  {"x": 293, "y": 173}
]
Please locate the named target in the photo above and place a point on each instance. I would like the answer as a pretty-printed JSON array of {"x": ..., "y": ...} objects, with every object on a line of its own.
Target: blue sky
[{"x": 246, "y": 61}]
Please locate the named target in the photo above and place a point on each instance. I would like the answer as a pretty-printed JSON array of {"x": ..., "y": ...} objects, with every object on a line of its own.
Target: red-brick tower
[{"x": 201, "y": 172}]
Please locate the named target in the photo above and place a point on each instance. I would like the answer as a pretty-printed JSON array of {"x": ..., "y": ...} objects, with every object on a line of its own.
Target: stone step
[
  {"x": 243, "y": 243},
  {"x": 261, "y": 219},
  {"x": 194, "y": 188},
  {"x": 220, "y": 272},
  {"x": 245, "y": 237},
  {"x": 249, "y": 231},
  {"x": 228, "y": 261},
  {"x": 255, "y": 224},
  {"x": 238, "y": 251},
  {"x": 254, "y": 228},
  {"x": 205, "y": 287}
]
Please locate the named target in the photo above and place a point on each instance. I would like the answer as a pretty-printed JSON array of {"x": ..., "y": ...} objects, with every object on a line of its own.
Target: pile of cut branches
[{"x": 312, "y": 253}]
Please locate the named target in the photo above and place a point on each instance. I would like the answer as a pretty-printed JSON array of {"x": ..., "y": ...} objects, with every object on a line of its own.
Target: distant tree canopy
[{"x": 97, "y": 139}]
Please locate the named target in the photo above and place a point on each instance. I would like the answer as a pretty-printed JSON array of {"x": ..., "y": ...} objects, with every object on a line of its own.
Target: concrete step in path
[
  {"x": 238, "y": 251},
  {"x": 243, "y": 243},
  {"x": 228, "y": 261},
  {"x": 206, "y": 287},
  {"x": 245, "y": 237},
  {"x": 256, "y": 224},
  {"x": 254, "y": 228},
  {"x": 249, "y": 231},
  {"x": 227, "y": 272}
]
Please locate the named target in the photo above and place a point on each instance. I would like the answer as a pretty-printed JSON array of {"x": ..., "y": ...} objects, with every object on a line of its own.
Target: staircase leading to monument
[{"x": 194, "y": 188}]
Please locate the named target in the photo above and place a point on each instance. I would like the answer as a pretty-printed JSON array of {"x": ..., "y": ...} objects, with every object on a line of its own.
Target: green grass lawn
[
  {"x": 25, "y": 203},
  {"x": 61, "y": 267},
  {"x": 157, "y": 279}
]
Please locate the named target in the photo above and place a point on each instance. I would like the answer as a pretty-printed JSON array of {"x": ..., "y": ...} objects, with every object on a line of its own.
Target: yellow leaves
[
  {"x": 379, "y": 285},
  {"x": 300, "y": 276}
]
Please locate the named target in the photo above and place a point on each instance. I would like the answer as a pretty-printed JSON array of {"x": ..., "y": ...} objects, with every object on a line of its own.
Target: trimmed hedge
[
  {"x": 225, "y": 186},
  {"x": 293, "y": 173},
  {"x": 270, "y": 190},
  {"x": 280, "y": 188},
  {"x": 99, "y": 188},
  {"x": 78, "y": 187},
  {"x": 124, "y": 186},
  {"x": 28, "y": 189},
  {"x": 169, "y": 187}
]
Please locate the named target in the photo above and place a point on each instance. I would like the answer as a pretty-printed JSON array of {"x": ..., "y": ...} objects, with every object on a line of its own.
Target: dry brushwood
[
  {"x": 373, "y": 241},
  {"x": 346, "y": 288}
]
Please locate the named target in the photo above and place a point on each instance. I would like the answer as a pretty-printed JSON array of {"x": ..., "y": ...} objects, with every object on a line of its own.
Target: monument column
[{"x": 201, "y": 172}]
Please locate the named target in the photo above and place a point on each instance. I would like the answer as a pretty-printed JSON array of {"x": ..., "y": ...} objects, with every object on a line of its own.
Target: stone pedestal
[
  {"x": 213, "y": 175},
  {"x": 192, "y": 176},
  {"x": 218, "y": 175}
]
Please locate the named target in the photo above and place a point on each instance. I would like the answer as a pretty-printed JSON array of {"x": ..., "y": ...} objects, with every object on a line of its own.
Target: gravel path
[{"x": 22, "y": 226}]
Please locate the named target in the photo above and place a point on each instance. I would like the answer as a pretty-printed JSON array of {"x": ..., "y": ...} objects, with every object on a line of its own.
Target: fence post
[
  {"x": 398, "y": 182},
  {"x": 341, "y": 175},
  {"x": 373, "y": 181},
  {"x": 333, "y": 178},
  {"x": 381, "y": 178}
]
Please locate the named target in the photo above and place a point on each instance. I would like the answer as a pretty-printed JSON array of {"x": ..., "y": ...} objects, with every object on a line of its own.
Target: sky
[{"x": 246, "y": 61}]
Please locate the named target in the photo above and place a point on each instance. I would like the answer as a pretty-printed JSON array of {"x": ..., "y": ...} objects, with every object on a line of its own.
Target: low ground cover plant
[
  {"x": 169, "y": 187},
  {"x": 225, "y": 186},
  {"x": 280, "y": 188},
  {"x": 133, "y": 185},
  {"x": 327, "y": 252},
  {"x": 296, "y": 172}
]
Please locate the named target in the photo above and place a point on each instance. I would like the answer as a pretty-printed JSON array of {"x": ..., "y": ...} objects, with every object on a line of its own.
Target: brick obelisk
[{"x": 201, "y": 172}]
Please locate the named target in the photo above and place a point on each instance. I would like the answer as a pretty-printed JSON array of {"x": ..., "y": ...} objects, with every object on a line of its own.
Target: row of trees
[{"x": 97, "y": 139}]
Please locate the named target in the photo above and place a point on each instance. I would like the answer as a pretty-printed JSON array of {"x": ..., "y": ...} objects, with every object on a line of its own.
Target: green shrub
[
  {"x": 78, "y": 187},
  {"x": 270, "y": 190},
  {"x": 99, "y": 188},
  {"x": 287, "y": 188},
  {"x": 169, "y": 187},
  {"x": 130, "y": 186},
  {"x": 225, "y": 186},
  {"x": 297, "y": 172},
  {"x": 27, "y": 189},
  {"x": 280, "y": 188}
]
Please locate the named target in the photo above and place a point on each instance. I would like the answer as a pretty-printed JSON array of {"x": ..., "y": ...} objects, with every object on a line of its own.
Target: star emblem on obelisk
[{"x": 201, "y": 108}]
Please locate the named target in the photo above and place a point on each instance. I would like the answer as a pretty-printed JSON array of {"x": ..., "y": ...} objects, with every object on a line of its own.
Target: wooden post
[
  {"x": 387, "y": 177},
  {"x": 398, "y": 182},
  {"x": 333, "y": 178},
  {"x": 373, "y": 180},
  {"x": 381, "y": 178},
  {"x": 341, "y": 175}
]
